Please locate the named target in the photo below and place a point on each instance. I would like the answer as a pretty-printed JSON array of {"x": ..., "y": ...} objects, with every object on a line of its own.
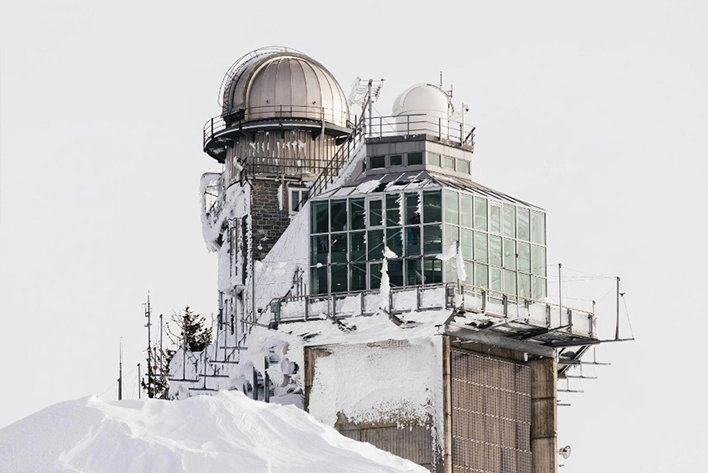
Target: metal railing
[{"x": 418, "y": 124}]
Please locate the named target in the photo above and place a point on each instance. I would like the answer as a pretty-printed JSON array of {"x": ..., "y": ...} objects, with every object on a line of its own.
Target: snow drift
[{"x": 225, "y": 432}]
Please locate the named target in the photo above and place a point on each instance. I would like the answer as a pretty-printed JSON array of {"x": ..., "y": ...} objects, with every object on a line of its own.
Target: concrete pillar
[{"x": 544, "y": 416}]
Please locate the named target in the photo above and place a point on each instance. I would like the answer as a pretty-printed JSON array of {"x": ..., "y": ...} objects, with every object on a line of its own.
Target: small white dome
[{"x": 422, "y": 99}]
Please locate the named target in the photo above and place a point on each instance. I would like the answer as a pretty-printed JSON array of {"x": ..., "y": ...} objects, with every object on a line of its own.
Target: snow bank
[{"x": 225, "y": 432}]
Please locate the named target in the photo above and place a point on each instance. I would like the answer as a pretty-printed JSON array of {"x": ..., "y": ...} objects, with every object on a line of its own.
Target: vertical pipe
[
  {"x": 560, "y": 295},
  {"x": 120, "y": 371},
  {"x": 617, "y": 326},
  {"x": 149, "y": 349},
  {"x": 371, "y": 106},
  {"x": 139, "y": 386},
  {"x": 162, "y": 360}
]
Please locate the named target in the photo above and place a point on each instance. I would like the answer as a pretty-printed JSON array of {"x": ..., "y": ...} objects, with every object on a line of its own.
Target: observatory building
[{"x": 364, "y": 275}]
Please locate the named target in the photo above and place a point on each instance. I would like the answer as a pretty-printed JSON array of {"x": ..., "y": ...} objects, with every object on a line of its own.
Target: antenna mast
[
  {"x": 148, "y": 311},
  {"x": 120, "y": 371}
]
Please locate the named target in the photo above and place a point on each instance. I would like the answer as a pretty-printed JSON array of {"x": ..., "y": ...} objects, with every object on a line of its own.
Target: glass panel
[
  {"x": 432, "y": 208},
  {"x": 495, "y": 250},
  {"x": 395, "y": 272},
  {"x": 432, "y": 239},
  {"x": 412, "y": 241},
  {"x": 339, "y": 277},
  {"x": 394, "y": 241},
  {"x": 509, "y": 254},
  {"x": 525, "y": 286},
  {"x": 434, "y": 159},
  {"x": 412, "y": 212},
  {"x": 481, "y": 275},
  {"x": 393, "y": 210},
  {"x": 319, "y": 249},
  {"x": 524, "y": 224},
  {"x": 415, "y": 158},
  {"x": 414, "y": 273},
  {"x": 357, "y": 246},
  {"x": 357, "y": 277},
  {"x": 480, "y": 213},
  {"x": 375, "y": 241},
  {"x": 339, "y": 215},
  {"x": 377, "y": 162},
  {"x": 495, "y": 219},
  {"x": 509, "y": 220},
  {"x": 450, "y": 271},
  {"x": 466, "y": 210},
  {"x": 539, "y": 288},
  {"x": 432, "y": 270},
  {"x": 450, "y": 237},
  {"x": 495, "y": 284},
  {"x": 339, "y": 247},
  {"x": 538, "y": 227},
  {"x": 524, "y": 250},
  {"x": 319, "y": 216},
  {"x": 396, "y": 159},
  {"x": 463, "y": 166},
  {"x": 374, "y": 275},
  {"x": 297, "y": 196},
  {"x": 449, "y": 162},
  {"x": 538, "y": 260},
  {"x": 318, "y": 280},
  {"x": 509, "y": 282},
  {"x": 375, "y": 216},
  {"x": 357, "y": 214},
  {"x": 469, "y": 269},
  {"x": 480, "y": 247},
  {"x": 466, "y": 245},
  {"x": 452, "y": 210}
]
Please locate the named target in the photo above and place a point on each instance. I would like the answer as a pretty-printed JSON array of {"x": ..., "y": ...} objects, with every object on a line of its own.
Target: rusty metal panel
[{"x": 491, "y": 414}]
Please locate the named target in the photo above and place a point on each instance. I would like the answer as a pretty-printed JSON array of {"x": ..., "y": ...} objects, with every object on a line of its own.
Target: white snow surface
[{"x": 224, "y": 432}]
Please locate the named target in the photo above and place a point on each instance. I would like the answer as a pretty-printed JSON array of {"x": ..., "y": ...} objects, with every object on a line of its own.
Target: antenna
[
  {"x": 120, "y": 371},
  {"x": 148, "y": 311}
]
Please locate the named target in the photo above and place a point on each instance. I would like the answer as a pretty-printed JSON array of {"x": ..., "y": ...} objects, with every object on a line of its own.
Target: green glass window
[
  {"x": 432, "y": 239},
  {"x": 509, "y": 253},
  {"x": 481, "y": 250},
  {"x": 376, "y": 244},
  {"x": 432, "y": 207},
  {"x": 524, "y": 250},
  {"x": 466, "y": 210},
  {"x": 319, "y": 249},
  {"x": 538, "y": 288},
  {"x": 339, "y": 215},
  {"x": 357, "y": 277},
  {"x": 452, "y": 209},
  {"x": 375, "y": 215},
  {"x": 524, "y": 224},
  {"x": 463, "y": 166},
  {"x": 377, "y": 162},
  {"x": 394, "y": 241},
  {"x": 395, "y": 272},
  {"x": 357, "y": 214},
  {"x": 495, "y": 283},
  {"x": 357, "y": 246},
  {"x": 434, "y": 159},
  {"x": 469, "y": 270},
  {"x": 466, "y": 245},
  {"x": 319, "y": 217},
  {"x": 494, "y": 218},
  {"x": 450, "y": 236},
  {"x": 524, "y": 286},
  {"x": 480, "y": 213},
  {"x": 414, "y": 272},
  {"x": 339, "y": 247},
  {"x": 510, "y": 282},
  {"x": 449, "y": 162},
  {"x": 393, "y": 210},
  {"x": 412, "y": 241},
  {"x": 450, "y": 270},
  {"x": 396, "y": 159},
  {"x": 432, "y": 270},
  {"x": 495, "y": 250},
  {"x": 481, "y": 275},
  {"x": 374, "y": 275},
  {"x": 415, "y": 158},
  {"x": 538, "y": 227},
  {"x": 538, "y": 260},
  {"x": 412, "y": 215},
  {"x": 318, "y": 280},
  {"x": 509, "y": 220},
  {"x": 339, "y": 278}
]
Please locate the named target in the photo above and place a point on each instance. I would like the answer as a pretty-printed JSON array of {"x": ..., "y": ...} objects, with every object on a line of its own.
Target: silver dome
[{"x": 275, "y": 83}]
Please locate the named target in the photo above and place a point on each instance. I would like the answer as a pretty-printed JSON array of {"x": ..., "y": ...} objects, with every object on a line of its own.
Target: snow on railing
[{"x": 416, "y": 124}]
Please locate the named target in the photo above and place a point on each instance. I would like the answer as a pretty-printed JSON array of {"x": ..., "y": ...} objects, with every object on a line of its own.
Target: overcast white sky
[{"x": 595, "y": 111}]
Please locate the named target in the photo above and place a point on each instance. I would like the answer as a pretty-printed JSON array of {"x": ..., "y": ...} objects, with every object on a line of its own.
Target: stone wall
[{"x": 269, "y": 221}]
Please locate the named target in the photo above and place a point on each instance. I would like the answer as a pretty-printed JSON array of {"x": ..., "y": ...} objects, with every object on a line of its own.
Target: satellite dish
[{"x": 564, "y": 452}]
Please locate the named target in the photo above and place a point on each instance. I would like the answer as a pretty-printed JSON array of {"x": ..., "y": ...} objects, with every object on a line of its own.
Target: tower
[{"x": 366, "y": 277}]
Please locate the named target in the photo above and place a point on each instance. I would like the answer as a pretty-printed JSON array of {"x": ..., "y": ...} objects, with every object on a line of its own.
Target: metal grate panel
[{"x": 491, "y": 414}]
